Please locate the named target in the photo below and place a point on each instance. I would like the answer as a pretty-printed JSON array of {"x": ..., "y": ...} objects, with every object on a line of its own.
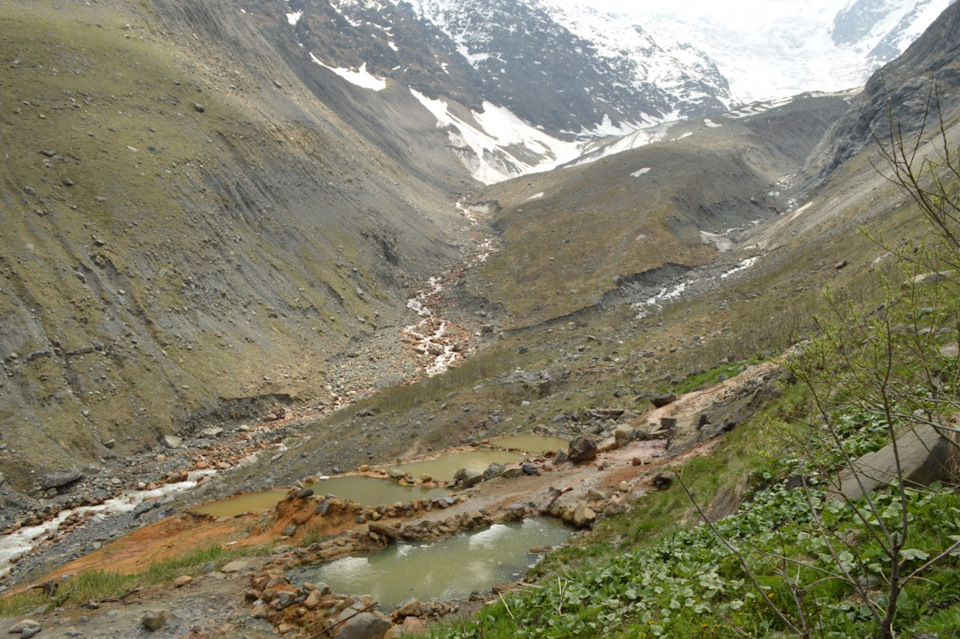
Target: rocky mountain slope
[
  {"x": 203, "y": 221},
  {"x": 213, "y": 210},
  {"x": 916, "y": 88},
  {"x": 575, "y": 72},
  {"x": 188, "y": 229},
  {"x": 626, "y": 225}
]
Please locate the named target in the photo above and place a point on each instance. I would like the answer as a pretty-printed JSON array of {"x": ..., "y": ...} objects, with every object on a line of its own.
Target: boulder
[
  {"x": 654, "y": 433},
  {"x": 26, "y": 628},
  {"x": 512, "y": 472},
  {"x": 410, "y": 608},
  {"x": 613, "y": 508},
  {"x": 285, "y": 599},
  {"x": 925, "y": 457},
  {"x": 366, "y": 625},
  {"x": 153, "y": 620},
  {"x": 468, "y": 478},
  {"x": 530, "y": 469},
  {"x": 662, "y": 400},
  {"x": 582, "y": 450},
  {"x": 313, "y": 599},
  {"x": 59, "y": 478},
  {"x": 238, "y": 565},
  {"x": 385, "y": 530},
  {"x": 583, "y": 515},
  {"x": 411, "y": 626},
  {"x": 493, "y": 470},
  {"x": 624, "y": 434},
  {"x": 172, "y": 441},
  {"x": 663, "y": 480}
]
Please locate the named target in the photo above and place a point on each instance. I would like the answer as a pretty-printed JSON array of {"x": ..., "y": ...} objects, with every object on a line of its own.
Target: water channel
[{"x": 449, "y": 569}]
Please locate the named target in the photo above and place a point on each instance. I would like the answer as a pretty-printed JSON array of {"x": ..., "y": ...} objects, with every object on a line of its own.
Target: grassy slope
[{"x": 572, "y": 235}]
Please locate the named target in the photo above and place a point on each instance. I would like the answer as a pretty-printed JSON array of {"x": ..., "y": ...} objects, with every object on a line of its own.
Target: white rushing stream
[{"x": 26, "y": 539}]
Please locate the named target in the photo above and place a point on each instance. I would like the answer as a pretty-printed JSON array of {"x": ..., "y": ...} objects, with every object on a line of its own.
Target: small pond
[
  {"x": 538, "y": 444},
  {"x": 233, "y": 506},
  {"x": 446, "y": 466},
  {"x": 370, "y": 491},
  {"x": 449, "y": 569}
]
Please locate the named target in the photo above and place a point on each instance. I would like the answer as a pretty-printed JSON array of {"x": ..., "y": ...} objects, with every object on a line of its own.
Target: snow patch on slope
[
  {"x": 600, "y": 149},
  {"x": 498, "y": 144},
  {"x": 360, "y": 77}
]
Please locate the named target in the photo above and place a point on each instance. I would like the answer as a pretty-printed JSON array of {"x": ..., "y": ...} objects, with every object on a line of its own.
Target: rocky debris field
[{"x": 601, "y": 476}]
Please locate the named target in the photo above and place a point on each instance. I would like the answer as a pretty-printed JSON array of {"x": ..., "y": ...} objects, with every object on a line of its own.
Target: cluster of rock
[
  {"x": 314, "y": 608},
  {"x": 26, "y": 628},
  {"x": 373, "y": 535}
]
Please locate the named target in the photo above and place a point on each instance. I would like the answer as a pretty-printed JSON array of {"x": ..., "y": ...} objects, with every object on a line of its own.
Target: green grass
[
  {"x": 713, "y": 376},
  {"x": 687, "y": 583},
  {"x": 98, "y": 585}
]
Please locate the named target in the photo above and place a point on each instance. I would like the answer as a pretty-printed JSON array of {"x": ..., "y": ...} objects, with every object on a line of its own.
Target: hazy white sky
[{"x": 744, "y": 13}]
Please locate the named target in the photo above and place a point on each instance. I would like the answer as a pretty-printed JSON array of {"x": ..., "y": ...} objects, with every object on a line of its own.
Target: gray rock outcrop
[
  {"x": 60, "y": 478},
  {"x": 925, "y": 454}
]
